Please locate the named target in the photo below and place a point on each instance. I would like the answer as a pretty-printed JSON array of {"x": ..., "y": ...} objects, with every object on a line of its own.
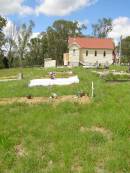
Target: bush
[
  {"x": 125, "y": 59},
  {"x": 1, "y": 63},
  {"x": 113, "y": 77}
]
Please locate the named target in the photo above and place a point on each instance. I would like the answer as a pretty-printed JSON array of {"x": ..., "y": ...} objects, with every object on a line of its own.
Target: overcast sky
[{"x": 44, "y": 12}]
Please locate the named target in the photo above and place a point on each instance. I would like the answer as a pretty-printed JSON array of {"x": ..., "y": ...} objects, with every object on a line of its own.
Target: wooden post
[{"x": 92, "y": 89}]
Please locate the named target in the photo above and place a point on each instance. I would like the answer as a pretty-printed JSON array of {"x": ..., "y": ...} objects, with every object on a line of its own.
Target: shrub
[
  {"x": 114, "y": 77},
  {"x": 125, "y": 60}
]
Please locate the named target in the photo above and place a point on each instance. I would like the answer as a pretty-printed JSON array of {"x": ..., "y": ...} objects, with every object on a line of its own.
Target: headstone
[
  {"x": 20, "y": 76},
  {"x": 49, "y": 63}
]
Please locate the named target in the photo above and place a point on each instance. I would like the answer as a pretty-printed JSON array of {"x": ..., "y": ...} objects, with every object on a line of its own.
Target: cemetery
[
  {"x": 43, "y": 122},
  {"x": 64, "y": 86}
]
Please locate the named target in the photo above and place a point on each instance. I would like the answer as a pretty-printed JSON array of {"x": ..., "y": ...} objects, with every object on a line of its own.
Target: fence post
[{"x": 92, "y": 89}]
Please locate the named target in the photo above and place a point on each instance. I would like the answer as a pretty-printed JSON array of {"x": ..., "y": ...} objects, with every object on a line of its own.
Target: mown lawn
[{"x": 61, "y": 139}]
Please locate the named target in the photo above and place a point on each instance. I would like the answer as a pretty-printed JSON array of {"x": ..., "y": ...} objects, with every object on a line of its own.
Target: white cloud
[
  {"x": 47, "y": 7},
  {"x": 61, "y": 7},
  {"x": 8, "y": 7},
  {"x": 121, "y": 27}
]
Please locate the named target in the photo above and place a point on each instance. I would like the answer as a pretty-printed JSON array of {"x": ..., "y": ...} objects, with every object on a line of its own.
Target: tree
[
  {"x": 50, "y": 44},
  {"x": 38, "y": 50},
  {"x": 10, "y": 45},
  {"x": 68, "y": 28},
  {"x": 102, "y": 28},
  {"x": 125, "y": 49},
  {"x": 57, "y": 37},
  {"x": 2, "y": 25},
  {"x": 2, "y": 39},
  {"x": 44, "y": 45},
  {"x": 34, "y": 54},
  {"x": 24, "y": 34}
]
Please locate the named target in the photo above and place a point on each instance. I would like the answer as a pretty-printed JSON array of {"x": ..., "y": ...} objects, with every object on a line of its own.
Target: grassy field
[{"x": 69, "y": 137}]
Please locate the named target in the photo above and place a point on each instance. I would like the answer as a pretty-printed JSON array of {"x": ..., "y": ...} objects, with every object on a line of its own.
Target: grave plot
[
  {"x": 114, "y": 76},
  {"x": 11, "y": 78},
  {"x": 49, "y": 100}
]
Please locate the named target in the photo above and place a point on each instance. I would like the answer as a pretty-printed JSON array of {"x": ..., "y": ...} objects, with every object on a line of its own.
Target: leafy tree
[
  {"x": 125, "y": 49},
  {"x": 102, "y": 28},
  {"x": 68, "y": 28},
  {"x": 2, "y": 39},
  {"x": 2, "y": 24},
  {"x": 10, "y": 46},
  {"x": 52, "y": 37},
  {"x": 57, "y": 37},
  {"x": 50, "y": 44},
  {"x": 35, "y": 48},
  {"x": 44, "y": 44},
  {"x": 24, "y": 34},
  {"x": 38, "y": 50}
]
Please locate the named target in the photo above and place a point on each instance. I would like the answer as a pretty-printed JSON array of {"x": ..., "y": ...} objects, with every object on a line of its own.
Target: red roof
[{"x": 92, "y": 43}]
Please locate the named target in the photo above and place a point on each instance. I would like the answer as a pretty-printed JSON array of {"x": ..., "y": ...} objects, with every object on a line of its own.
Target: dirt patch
[
  {"x": 105, "y": 132},
  {"x": 72, "y": 98},
  {"x": 101, "y": 165},
  {"x": 8, "y": 77},
  {"x": 41, "y": 100},
  {"x": 7, "y": 80},
  {"x": 35, "y": 100},
  {"x": 76, "y": 168},
  {"x": 20, "y": 151},
  {"x": 100, "y": 168}
]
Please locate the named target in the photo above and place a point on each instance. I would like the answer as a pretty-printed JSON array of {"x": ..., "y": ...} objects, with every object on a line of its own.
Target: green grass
[{"x": 50, "y": 136}]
